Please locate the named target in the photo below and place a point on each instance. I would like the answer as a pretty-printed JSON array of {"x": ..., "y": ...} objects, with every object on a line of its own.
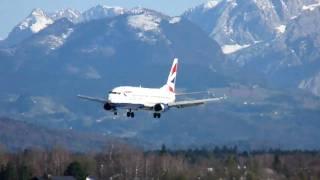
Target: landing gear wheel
[
  {"x": 115, "y": 113},
  {"x": 130, "y": 114},
  {"x": 156, "y": 115}
]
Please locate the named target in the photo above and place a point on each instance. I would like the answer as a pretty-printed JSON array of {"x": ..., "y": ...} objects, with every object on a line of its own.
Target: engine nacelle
[
  {"x": 160, "y": 107},
  {"x": 107, "y": 106}
]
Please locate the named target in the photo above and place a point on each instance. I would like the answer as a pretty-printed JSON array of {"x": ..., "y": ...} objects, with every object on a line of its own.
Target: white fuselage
[{"x": 147, "y": 97}]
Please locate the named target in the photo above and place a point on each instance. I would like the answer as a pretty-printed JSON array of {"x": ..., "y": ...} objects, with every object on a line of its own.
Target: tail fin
[{"x": 171, "y": 82}]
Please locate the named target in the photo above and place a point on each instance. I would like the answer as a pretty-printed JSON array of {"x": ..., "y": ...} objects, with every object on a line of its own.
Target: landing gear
[
  {"x": 130, "y": 114},
  {"x": 115, "y": 113},
  {"x": 156, "y": 115}
]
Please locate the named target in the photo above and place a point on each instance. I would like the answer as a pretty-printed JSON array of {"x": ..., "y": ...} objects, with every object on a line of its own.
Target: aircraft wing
[
  {"x": 100, "y": 100},
  {"x": 183, "y": 104}
]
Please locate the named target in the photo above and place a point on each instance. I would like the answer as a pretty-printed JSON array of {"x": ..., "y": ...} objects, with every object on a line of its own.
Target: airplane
[{"x": 156, "y": 100}]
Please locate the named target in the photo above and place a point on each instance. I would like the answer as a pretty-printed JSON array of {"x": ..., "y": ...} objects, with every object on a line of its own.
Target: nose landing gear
[{"x": 156, "y": 115}]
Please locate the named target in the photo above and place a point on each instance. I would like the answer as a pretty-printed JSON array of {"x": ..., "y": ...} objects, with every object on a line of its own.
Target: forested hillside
[{"x": 123, "y": 162}]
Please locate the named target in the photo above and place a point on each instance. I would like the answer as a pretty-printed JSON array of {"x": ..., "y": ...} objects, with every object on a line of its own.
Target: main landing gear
[
  {"x": 130, "y": 114},
  {"x": 156, "y": 115}
]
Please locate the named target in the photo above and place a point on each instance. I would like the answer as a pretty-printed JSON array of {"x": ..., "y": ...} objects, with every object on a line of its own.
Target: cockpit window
[{"x": 113, "y": 92}]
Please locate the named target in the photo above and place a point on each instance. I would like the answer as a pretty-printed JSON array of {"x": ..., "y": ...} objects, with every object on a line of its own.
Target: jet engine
[
  {"x": 160, "y": 107},
  {"x": 107, "y": 106}
]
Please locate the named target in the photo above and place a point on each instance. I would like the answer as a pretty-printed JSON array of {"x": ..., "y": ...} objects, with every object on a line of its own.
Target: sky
[{"x": 14, "y": 11}]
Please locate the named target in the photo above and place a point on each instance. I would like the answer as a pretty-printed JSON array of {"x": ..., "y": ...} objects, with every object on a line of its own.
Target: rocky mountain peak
[
  {"x": 102, "y": 11},
  {"x": 71, "y": 14}
]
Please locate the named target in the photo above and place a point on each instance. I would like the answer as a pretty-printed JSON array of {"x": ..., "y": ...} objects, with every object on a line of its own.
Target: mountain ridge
[
  {"x": 280, "y": 49},
  {"x": 19, "y": 135},
  {"x": 50, "y": 67}
]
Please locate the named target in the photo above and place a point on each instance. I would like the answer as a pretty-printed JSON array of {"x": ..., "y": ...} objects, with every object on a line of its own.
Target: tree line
[{"x": 124, "y": 162}]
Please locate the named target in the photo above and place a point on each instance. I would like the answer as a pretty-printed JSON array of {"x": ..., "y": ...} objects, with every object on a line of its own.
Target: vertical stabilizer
[{"x": 171, "y": 82}]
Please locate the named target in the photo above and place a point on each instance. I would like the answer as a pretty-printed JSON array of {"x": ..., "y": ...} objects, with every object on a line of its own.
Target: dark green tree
[
  {"x": 24, "y": 172},
  {"x": 10, "y": 172},
  {"x": 163, "y": 150},
  {"x": 276, "y": 164},
  {"x": 76, "y": 170},
  {"x": 180, "y": 177}
]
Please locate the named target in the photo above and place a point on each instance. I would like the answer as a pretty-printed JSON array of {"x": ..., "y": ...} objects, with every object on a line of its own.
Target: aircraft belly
[
  {"x": 128, "y": 106},
  {"x": 137, "y": 102}
]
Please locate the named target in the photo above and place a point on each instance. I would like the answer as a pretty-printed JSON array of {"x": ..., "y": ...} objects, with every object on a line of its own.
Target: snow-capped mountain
[
  {"x": 237, "y": 24},
  {"x": 71, "y": 14},
  {"x": 148, "y": 31},
  {"x": 292, "y": 56},
  {"x": 49, "y": 39},
  {"x": 39, "y": 20},
  {"x": 35, "y": 22},
  {"x": 277, "y": 39},
  {"x": 102, "y": 11}
]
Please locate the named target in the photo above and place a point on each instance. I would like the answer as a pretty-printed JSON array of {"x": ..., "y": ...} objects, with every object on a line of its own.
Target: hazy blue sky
[{"x": 13, "y": 11}]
